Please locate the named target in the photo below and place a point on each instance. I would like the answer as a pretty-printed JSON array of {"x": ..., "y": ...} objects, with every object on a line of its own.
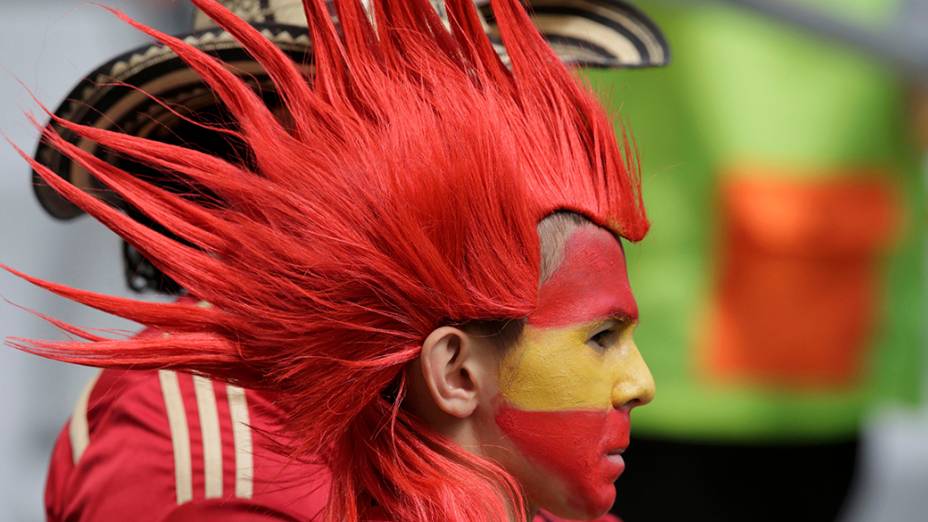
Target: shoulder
[
  {"x": 112, "y": 443},
  {"x": 144, "y": 443}
]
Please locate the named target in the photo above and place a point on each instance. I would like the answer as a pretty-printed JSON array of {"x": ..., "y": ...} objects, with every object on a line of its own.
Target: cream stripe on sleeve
[
  {"x": 241, "y": 433},
  {"x": 78, "y": 428},
  {"x": 180, "y": 435},
  {"x": 212, "y": 443}
]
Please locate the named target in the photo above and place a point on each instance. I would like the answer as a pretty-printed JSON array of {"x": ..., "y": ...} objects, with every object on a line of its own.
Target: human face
[{"x": 566, "y": 389}]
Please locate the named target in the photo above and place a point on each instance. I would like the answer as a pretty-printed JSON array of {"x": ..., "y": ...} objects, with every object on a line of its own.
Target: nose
[{"x": 635, "y": 385}]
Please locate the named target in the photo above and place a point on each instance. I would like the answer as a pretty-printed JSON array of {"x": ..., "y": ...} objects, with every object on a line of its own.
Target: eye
[{"x": 605, "y": 336}]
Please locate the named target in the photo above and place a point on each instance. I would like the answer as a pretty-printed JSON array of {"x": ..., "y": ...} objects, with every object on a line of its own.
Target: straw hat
[{"x": 594, "y": 33}]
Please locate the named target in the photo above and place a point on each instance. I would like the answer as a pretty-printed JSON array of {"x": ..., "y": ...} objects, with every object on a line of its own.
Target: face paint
[
  {"x": 555, "y": 369},
  {"x": 557, "y": 404},
  {"x": 580, "y": 447},
  {"x": 590, "y": 283},
  {"x": 560, "y": 396}
]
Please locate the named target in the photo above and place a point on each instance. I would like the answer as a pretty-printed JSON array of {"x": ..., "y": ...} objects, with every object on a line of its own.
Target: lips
[
  {"x": 615, "y": 454},
  {"x": 616, "y": 439},
  {"x": 615, "y": 462}
]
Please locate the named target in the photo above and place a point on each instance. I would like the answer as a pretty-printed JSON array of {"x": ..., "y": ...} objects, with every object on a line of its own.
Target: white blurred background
[{"x": 50, "y": 45}]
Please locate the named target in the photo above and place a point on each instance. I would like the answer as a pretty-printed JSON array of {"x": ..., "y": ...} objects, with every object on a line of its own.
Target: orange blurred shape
[{"x": 797, "y": 291}]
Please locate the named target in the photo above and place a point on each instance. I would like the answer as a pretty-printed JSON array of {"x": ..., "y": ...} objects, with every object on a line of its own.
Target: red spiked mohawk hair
[{"x": 405, "y": 195}]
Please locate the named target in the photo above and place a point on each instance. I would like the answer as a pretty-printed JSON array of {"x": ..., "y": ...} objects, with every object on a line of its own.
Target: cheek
[
  {"x": 571, "y": 445},
  {"x": 555, "y": 406},
  {"x": 554, "y": 369}
]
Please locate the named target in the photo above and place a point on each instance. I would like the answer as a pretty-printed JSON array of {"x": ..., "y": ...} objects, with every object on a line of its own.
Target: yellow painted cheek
[{"x": 554, "y": 369}]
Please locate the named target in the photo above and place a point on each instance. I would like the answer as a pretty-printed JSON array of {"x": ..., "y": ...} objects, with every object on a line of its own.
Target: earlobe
[{"x": 447, "y": 368}]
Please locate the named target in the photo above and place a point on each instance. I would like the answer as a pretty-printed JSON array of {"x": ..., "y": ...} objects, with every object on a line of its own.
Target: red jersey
[
  {"x": 164, "y": 445},
  {"x": 170, "y": 446}
]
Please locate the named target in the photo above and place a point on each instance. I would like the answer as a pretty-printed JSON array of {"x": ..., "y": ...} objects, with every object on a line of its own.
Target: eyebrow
[
  {"x": 562, "y": 312},
  {"x": 618, "y": 313},
  {"x": 623, "y": 314}
]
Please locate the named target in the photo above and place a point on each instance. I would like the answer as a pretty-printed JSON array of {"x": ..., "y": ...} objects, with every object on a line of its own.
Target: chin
[{"x": 592, "y": 504}]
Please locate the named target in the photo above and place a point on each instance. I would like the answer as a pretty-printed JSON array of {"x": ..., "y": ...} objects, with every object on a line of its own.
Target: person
[{"x": 441, "y": 326}]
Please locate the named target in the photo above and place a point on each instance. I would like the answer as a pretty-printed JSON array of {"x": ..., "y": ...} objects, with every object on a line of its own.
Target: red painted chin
[{"x": 580, "y": 447}]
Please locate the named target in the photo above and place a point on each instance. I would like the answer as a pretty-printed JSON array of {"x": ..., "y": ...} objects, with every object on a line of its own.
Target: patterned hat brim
[
  {"x": 593, "y": 33},
  {"x": 124, "y": 93}
]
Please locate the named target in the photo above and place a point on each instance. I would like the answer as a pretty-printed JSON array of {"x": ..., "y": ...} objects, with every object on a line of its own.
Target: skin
[{"x": 553, "y": 409}]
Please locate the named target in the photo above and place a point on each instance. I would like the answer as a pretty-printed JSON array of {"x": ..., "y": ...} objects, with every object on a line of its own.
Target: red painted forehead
[{"x": 591, "y": 283}]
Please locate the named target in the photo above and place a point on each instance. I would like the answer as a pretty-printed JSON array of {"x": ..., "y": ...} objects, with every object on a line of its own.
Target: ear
[{"x": 450, "y": 371}]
